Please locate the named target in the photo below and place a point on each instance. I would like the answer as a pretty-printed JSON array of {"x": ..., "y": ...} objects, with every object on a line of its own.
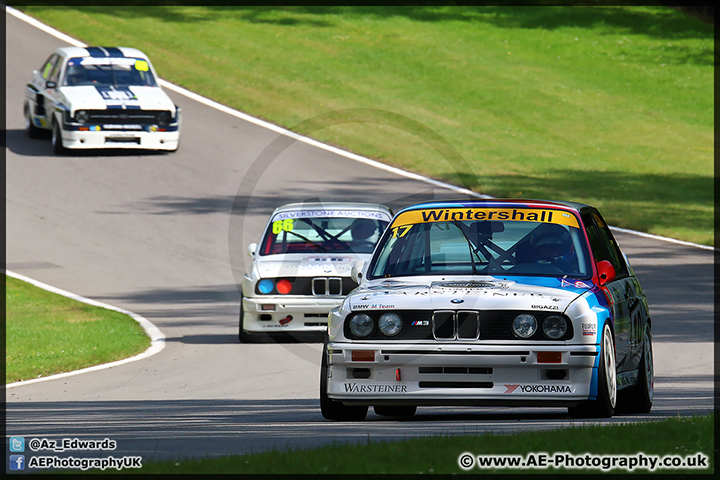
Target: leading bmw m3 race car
[
  {"x": 100, "y": 97},
  {"x": 302, "y": 267},
  {"x": 491, "y": 302}
]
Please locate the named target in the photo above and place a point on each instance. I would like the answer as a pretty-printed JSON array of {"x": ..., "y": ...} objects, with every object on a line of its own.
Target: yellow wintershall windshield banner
[{"x": 482, "y": 214}]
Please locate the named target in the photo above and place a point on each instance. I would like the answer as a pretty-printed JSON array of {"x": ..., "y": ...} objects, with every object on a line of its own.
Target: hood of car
[
  {"x": 307, "y": 265},
  {"x": 89, "y": 97},
  {"x": 471, "y": 293}
]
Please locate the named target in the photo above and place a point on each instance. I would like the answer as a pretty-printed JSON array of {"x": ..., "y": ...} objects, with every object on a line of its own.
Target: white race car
[
  {"x": 491, "y": 302},
  {"x": 100, "y": 97},
  {"x": 302, "y": 267}
]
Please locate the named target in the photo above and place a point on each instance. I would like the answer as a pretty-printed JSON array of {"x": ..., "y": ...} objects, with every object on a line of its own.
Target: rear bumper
[{"x": 460, "y": 375}]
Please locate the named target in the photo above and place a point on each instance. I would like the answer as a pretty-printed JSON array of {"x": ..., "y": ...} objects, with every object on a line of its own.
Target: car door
[
  {"x": 44, "y": 85},
  {"x": 619, "y": 292}
]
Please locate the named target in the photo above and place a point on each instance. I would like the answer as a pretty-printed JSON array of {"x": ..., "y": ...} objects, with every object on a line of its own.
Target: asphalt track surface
[{"x": 163, "y": 235}]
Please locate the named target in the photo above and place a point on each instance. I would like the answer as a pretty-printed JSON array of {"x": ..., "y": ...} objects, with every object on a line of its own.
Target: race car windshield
[
  {"x": 119, "y": 72},
  {"x": 466, "y": 247},
  {"x": 322, "y": 234}
]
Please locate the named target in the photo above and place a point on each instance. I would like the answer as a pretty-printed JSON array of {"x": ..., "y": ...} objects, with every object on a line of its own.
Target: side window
[
  {"x": 602, "y": 243},
  {"x": 49, "y": 66},
  {"x": 55, "y": 74}
]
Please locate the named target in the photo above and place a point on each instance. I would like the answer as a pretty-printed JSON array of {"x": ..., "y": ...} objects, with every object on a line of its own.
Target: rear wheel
[
  {"x": 30, "y": 128},
  {"x": 331, "y": 409},
  {"x": 604, "y": 405},
  {"x": 639, "y": 399}
]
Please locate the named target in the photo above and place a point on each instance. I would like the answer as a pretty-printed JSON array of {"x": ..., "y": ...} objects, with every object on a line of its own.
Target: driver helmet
[
  {"x": 362, "y": 229},
  {"x": 552, "y": 243},
  {"x": 76, "y": 74}
]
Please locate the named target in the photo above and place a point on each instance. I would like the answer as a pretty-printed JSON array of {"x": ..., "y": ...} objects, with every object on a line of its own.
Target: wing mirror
[
  {"x": 251, "y": 250},
  {"x": 356, "y": 273},
  {"x": 606, "y": 272}
]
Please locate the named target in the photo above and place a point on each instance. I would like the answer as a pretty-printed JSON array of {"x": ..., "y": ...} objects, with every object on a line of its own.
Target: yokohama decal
[{"x": 539, "y": 388}]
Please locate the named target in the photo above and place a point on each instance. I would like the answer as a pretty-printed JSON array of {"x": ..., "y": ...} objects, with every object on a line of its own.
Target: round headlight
[
  {"x": 390, "y": 324},
  {"x": 164, "y": 118},
  {"x": 524, "y": 326},
  {"x": 554, "y": 327},
  {"x": 266, "y": 286},
  {"x": 283, "y": 286},
  {"x": 81, "y": 116},
  {"x": 361, "y": 325}
]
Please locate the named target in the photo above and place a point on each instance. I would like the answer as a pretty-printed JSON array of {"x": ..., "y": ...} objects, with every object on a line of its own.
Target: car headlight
[
  {"x": 554, "y": 327},
  {"x": 524, "y": 325},
  {"x": 265, "y": 286},
  {"x": 81, "y": 116},
  {"x": 361, "y": 325},
  {"x": 164, "y": 118},
  {"x": 390, "y": 324}
]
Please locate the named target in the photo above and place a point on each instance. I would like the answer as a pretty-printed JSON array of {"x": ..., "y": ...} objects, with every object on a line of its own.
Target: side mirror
[
  {"x": 251, "y": 250},
  {"x": 356, "y": 271},
  {"x": 49, "y": 84},
  {"x": 606, "y": 272}
]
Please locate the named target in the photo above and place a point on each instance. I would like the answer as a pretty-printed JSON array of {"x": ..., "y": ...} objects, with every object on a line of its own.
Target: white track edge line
[
  {"x": 352, "y": 156},
  {"x": 157, "y": 339}
]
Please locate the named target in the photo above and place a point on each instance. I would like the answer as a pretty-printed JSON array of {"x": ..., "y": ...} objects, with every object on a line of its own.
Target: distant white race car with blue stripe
[
  {"x": 494, "y": 303},
  {"x": 100, "y": 97}
]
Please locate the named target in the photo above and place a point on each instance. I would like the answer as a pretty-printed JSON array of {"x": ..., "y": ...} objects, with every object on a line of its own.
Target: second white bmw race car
[
  {"x": 302, "y": 267},
  {"x": 100, "y": 97}
]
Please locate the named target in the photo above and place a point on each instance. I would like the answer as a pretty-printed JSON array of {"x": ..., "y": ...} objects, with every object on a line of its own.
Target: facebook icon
[{"x": 17, "y": 462}]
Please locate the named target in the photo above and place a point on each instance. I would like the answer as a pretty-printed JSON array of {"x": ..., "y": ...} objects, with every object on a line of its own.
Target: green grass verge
[
  {"x": 612, "y": 106},
  {"x": 47, "y": 333},
  {"x": 674, "y": 436}
]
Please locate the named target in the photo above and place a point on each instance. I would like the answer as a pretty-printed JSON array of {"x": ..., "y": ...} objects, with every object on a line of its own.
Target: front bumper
[
  {"x": 136, "y": 139},
  {"x": 307, "y": 314},
  {"x": 462, "y": 374}
]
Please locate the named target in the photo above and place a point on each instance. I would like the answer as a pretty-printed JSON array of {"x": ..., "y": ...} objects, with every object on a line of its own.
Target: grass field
[
  {"x": 47, "y": 333},
  {"x": 606, "y": 105},
  {"x": 612, "y": 106},
  {"x": 439, "y": 455}
]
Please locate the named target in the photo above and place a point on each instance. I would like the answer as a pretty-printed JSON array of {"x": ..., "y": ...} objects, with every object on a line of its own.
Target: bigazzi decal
[{"x": 483, "y": 214}]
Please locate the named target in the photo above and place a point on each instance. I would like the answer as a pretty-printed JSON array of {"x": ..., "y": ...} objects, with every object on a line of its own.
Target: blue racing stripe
[
  {"x": 113, "y": 52},
  {"x": 96, "y": 52}
]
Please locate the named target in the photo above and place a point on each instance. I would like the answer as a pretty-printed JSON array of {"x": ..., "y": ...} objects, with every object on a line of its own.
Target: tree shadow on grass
[
  {"x": 664, "y": 23},
  {"x": 652, "y": 201}
]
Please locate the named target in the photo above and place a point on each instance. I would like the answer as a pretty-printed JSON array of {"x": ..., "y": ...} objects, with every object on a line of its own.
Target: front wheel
[
  {"x": 57, "y": 141},
  {"x": 244, "y": 336},
  {"x": 604, "y": 405},
  {"x": 331, "y": 409}
]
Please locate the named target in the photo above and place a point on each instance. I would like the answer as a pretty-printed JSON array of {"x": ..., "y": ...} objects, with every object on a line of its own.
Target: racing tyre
[
  {"x": 395, "y": 410},
  {"x": 639, "y": 399},
  {"x": 244, "y": 336},
  {"x": 331, "y": 409},
  {"x": 604, "y": 405},
  {"x": 57, "y": 141},
  {"x": 30, "y": 128}
]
